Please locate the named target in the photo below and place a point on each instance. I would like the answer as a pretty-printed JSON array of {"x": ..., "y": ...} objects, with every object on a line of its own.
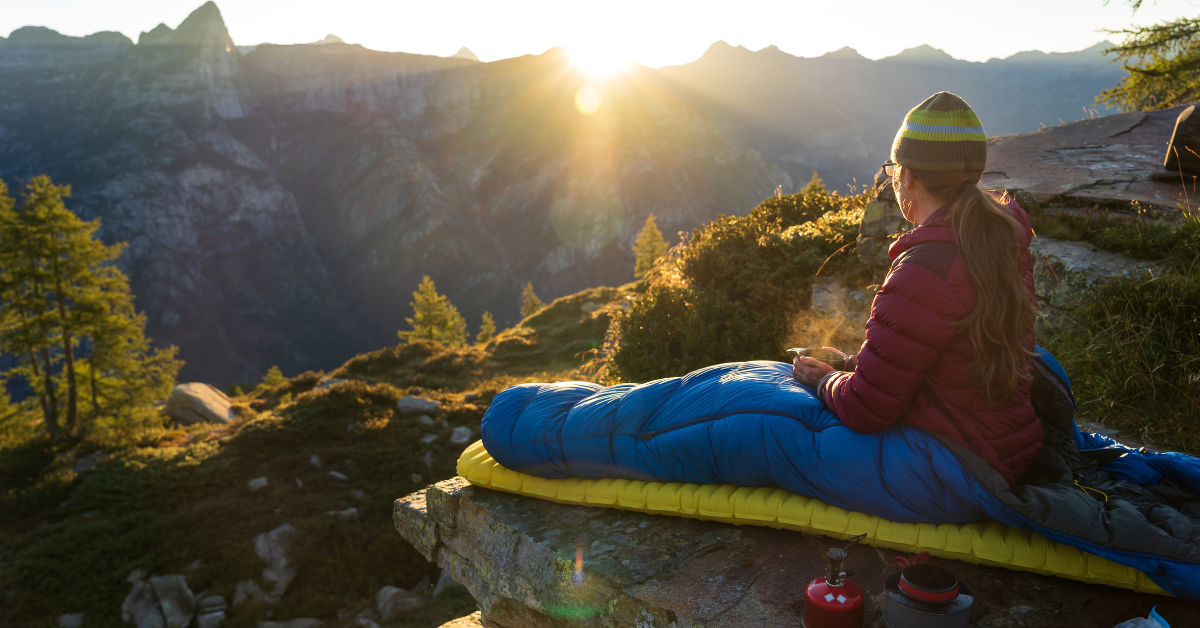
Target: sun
[{"x": 598, "y": 62}]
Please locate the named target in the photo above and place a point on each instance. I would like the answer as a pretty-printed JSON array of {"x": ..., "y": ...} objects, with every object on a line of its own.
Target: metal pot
[{"x": 926, "y": 596}]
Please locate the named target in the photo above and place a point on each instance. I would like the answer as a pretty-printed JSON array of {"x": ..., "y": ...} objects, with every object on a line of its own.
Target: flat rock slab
[
  {"x": 517, "y": 555},
  {"x": 1104, "y": 159}
]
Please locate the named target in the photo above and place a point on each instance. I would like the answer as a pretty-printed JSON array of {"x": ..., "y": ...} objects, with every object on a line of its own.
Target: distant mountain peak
[
  {"x": 42, "y": 36},
  {"x": 329, "y": 39},
  {"x": 465, "y": 53},
  {"x": 845, "y": 52},
  {"x": 924, "y": 52},
  {"x": 204, "y": 26},
  {"x": 158, "y": 35},
  {"x": 720, "y": 47}
]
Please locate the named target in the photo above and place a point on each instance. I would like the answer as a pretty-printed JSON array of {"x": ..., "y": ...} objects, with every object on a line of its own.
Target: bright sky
[{"x": 651, "y": 32}]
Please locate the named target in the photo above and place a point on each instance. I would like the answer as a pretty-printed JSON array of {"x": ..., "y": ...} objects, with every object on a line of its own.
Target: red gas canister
[{"x": 833, "y": 601}]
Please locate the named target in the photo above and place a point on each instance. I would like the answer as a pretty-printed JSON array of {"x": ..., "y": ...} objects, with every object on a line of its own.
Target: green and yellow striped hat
[{"x": 942, "y": 133}]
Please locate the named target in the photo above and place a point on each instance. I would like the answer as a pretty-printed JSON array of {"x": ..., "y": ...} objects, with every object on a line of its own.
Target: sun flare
[{"x": 598, "y": 62}]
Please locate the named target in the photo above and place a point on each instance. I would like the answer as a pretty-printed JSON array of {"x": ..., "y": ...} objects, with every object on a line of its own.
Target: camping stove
[
  {"x": 833, "y": 601},
  {"x": 925, "y": 596}
]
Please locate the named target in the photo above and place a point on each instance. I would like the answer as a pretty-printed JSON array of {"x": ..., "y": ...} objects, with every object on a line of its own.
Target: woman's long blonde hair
[{"x": 990, "y": 239}]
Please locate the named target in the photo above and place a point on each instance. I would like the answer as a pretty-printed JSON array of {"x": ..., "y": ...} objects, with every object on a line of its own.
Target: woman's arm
[{"x": 910, "y": 326}]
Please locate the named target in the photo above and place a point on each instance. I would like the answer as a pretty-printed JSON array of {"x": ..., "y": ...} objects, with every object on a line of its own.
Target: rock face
[
  {"x": 882, "y": 222},
  {"x": 281, "y": 206},
  {"x": 197, "y": 402},
  {"x": 517, "y": 555},
  {"x": 176, "y": 599},
  {"x": 1112, "y": 159},
  {"x": 1064, "y": 271}
]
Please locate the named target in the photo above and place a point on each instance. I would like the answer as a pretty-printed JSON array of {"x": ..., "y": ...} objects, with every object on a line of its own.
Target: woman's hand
[{"x": 809, "y": 371}]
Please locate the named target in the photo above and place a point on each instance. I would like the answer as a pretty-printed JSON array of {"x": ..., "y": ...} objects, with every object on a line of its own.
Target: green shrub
[{"x": 736, "y": 289}]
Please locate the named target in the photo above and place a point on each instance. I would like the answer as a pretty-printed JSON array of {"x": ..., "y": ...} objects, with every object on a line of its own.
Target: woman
[{"x": 949, "y": 343}]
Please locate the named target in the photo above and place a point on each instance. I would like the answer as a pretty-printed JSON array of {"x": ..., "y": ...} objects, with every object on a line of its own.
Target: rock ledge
[{"x": 517, "y": 555}]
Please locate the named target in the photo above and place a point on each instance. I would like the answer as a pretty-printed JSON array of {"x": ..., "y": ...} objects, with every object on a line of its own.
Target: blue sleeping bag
[{"x": 753, "y": 424}]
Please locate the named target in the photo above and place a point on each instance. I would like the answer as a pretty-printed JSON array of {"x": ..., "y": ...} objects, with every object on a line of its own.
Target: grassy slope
[{"x": 180, "y": 495}]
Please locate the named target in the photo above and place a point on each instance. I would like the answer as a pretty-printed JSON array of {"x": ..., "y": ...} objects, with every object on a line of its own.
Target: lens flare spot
[{"x": 587, "y": 99}]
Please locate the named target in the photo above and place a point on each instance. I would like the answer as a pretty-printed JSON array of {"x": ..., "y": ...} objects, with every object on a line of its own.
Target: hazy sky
[{"x": 651, "y": 32}]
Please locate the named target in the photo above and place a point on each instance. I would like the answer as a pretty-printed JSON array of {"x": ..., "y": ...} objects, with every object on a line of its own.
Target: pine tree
[
  {"x": 815, "y": 185},
  {"x": 274, "y": 377},
  {"x": 434, "y": 318},
  {"x": 62, "y": 301},
  {"x": 123, "y": 372},
  {"x": 648, "y": 248},
  {"x": 530, "y": 303},
  {"x": 26, "y": 322},
  {"x": 487, "y": 329},
  {"x": 1163, "y": 61}
]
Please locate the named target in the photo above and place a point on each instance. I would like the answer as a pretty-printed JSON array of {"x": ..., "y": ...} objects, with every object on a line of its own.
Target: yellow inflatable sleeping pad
[{"x": 992, "y": 543}]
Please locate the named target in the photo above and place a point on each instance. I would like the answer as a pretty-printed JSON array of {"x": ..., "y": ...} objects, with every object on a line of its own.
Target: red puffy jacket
[{"x": 913, "y": 350}]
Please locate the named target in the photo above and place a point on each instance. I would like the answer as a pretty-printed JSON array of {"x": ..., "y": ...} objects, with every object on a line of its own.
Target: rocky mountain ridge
[
  {"x": 282, "y": 202},
  {"x": 281, "y": 206},
  {"x": 838, "y": 113}
]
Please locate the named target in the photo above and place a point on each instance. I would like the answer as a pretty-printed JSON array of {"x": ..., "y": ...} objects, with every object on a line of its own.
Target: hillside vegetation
[
  {"x": 740, "y": 289},
  {"x": 176, "y": 500}
]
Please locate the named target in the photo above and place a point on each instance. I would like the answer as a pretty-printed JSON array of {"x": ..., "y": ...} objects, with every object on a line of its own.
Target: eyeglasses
[{"x": 889, "y": 168}]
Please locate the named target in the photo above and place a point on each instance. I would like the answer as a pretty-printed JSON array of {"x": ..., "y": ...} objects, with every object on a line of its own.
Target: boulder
[
  {"x": 327, "y": 382},
  {"x": 461, "y": 435},
  {"x": 91, "y": 461},
  {"x": 391, "y": 601},
  {"x": 211, "y": 619},
  {"x": 210, "y": 611},
  {"x": 197, "y": 402},
  {"x": 517, "y": 554},
  {"x": 830, "y": 297},
  {"x": 1064, "y": 271},
  {"x": 257, "y": 483},
  {"x": 445, "y": 583},
  {"x": 272, "y": 548},
  {"x": 418, "y": 404},
  {"x": 881, "y": 223},
  {"x": 177, "y": 601},
  {"x": 339, "y": 476},
  {"x": 1183, "y": 151},
  {"x": 247, "y": 590},
  {"x": 70, "y": 620},
  {"x": 140, "y": 607}
]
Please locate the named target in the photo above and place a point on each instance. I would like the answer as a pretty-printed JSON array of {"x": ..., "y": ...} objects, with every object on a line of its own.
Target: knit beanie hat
[{"x": 942, "y": 133}]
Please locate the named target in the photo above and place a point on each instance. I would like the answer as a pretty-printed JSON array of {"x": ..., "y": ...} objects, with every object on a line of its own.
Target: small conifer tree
[
  {"x": 815, "y": 185},
  {"x": 434, "y": 318},
  {"x": 274, "y": 377},
  {"x": 530, "y": 303},
  {"x": 486, "y": 330},
  {"x": 648, "y": 248}
]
